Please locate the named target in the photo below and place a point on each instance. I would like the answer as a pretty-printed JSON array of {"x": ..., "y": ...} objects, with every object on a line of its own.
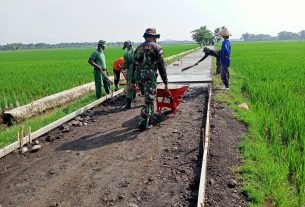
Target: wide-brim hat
[
  {"x": 151, "y": 32},
  {"x": 102, "y": 43},
  {"x": 224, "y": 32},
  {"x": 127, "y": 44}
]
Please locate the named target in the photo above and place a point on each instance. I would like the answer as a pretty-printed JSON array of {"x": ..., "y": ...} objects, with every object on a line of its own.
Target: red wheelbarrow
[{"x": 171, "y": 98}]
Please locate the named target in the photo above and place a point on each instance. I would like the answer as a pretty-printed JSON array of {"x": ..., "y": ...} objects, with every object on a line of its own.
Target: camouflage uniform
[
  {"x": 148, "y": 59},
  {"x": 128, "y": 64}
]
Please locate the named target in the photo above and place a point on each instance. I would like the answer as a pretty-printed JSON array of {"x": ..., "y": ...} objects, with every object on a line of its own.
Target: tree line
[
  {"x": 21, "y": 46},
  {"x": 204, "y": 36},
  {"x": 284, "y": 35}
]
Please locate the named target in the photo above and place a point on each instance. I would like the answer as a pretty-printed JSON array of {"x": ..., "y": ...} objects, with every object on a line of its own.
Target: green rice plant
[
  {"x": 270, "y": 76},
  {"x": 32, "y": 74},
  {"x": 28, "y": 75}
]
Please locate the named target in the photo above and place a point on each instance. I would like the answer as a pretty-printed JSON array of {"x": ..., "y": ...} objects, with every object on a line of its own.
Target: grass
[
  {"x": 32, "y": 74},
  {"x": 270, "y": 78},
  {"x": 8, "y": 134}
]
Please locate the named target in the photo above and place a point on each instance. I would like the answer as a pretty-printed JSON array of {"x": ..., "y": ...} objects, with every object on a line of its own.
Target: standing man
[
  {"x": 148, "y": 59},
  {"x": 128, "y": 64},
  {"x": 225, "y": 60},
  {"x": 214, "y": 53},
  {"x": 98, "y": 61}
]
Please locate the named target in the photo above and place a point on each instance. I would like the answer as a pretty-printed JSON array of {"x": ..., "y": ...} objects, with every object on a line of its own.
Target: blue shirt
[{"x": 225, "y": 52}]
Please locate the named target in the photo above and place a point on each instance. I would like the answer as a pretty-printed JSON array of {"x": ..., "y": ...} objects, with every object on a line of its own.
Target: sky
[{"x": 56, "y": 21}]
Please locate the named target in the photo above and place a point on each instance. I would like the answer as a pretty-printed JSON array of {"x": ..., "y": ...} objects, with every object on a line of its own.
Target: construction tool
[
  {"x": 106, "y": 77},
  {"x": 184, "y": 69}
]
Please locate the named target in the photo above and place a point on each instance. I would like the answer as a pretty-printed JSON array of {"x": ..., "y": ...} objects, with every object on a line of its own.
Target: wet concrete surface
[{"x": 196, "y": 76}]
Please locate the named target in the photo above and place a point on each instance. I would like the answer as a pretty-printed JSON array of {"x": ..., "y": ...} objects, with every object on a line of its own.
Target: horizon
[{"x": 166, "y": 40}]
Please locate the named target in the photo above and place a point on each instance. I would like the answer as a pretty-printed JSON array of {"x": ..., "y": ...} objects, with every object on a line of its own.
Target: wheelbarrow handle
[{"x": 170, "y": 94}]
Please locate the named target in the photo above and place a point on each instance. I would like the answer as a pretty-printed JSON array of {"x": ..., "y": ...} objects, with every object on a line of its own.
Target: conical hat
[{"x": 225, "y": 32}]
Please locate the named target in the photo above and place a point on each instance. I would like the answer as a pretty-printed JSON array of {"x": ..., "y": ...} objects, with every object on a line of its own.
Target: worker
[
  {"x": 214, "y": 53},
  {"x": 128, "y": 65},
  {"x": 98, "y": 61},
  {"x": 118, "y": 66},
  {"x": 148, "y": 58},
  {"x": 224, "y": 56}
]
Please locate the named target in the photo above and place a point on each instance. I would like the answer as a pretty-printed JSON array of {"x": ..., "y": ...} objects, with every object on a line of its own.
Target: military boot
[
  {"x": 128, "y": 103},
  {"x": 144, "y": 124}
]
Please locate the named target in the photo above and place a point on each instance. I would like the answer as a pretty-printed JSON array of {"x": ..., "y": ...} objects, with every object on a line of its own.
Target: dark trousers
[
  {"x": 116, "y": 74},
  {"x": 225, "y": 75},
  {"x": 218, "y": 68}
]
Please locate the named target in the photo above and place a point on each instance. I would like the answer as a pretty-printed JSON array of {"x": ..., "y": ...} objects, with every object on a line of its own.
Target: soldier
[
  {"x": 98, "y": 61},
  {"x": 148, "y": 59},
  {"x": 128, "y": 65},
  {"x": 214, "y": 53}
]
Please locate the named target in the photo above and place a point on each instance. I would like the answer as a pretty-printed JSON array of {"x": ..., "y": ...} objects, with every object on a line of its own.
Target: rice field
[
  {"x": 28, "y": 75},
  {"x": 270, "y": 77}
]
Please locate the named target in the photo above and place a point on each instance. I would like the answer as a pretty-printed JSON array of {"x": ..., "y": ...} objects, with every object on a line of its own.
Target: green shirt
[
  {"x": 99, "y": 58},
  {"x": 128, "y": 59}
]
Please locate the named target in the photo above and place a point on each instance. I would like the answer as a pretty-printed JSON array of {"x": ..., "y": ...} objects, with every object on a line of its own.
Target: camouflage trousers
[
  {"x": 130, "y": 91},
  {"x": 146, "y": 80}
]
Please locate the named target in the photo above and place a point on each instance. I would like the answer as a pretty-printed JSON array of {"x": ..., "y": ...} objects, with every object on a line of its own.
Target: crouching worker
[
  {"x": 214, "y": 53},
  {"x": 148, "y": 58},
  {"x": 118, "y": 66}
]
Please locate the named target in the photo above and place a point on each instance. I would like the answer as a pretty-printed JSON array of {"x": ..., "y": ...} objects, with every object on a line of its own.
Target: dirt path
[
  {"x": 108, "y": 162},
  {"x": 223, "y": 188}
]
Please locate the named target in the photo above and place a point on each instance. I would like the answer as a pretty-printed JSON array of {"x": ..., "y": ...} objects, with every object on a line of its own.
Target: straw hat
[{"x": 225, "y": 32}]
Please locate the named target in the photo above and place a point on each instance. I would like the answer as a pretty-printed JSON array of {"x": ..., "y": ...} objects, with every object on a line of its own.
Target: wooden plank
[
  {"x": 8, "y": 149},
  {"x": 202, "y": 184},
  {"x": 199, "y": 81}
]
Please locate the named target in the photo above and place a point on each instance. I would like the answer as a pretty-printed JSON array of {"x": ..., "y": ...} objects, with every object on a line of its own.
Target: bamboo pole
[
  {"x": 21, "y": 137},
  {"x": 18, "y": 138},
  {"x": 30, "y": 135}
]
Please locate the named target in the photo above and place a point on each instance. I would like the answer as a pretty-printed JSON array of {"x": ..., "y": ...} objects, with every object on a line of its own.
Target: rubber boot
[
  {"x": 128, "y": 103},
  {"x": 116, "y": 88}
]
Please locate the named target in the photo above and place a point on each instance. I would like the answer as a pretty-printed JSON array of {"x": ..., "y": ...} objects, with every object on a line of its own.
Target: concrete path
[{"x": 197, "y": 75}]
